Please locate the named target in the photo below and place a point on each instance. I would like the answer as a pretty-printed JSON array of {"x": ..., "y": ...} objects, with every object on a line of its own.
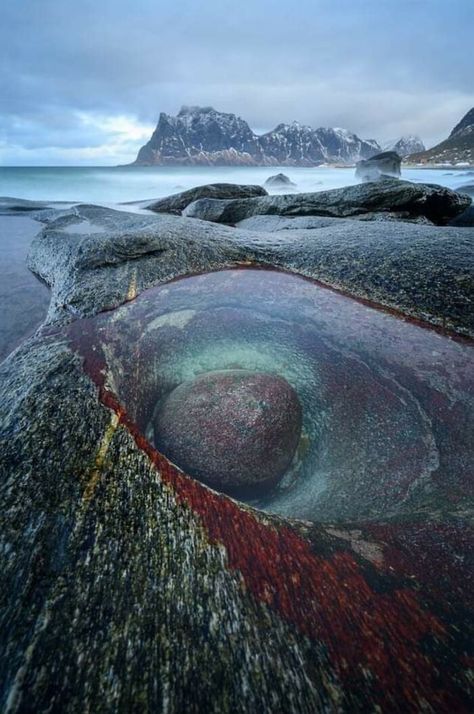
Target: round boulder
[{"x": 235, "y": 430}]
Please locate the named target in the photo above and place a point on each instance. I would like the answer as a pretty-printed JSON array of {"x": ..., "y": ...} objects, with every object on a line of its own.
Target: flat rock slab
[{"x": 425, "y": 272}]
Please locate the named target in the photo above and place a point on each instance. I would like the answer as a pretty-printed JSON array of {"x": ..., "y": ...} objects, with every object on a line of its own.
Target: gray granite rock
[
  {"x": 402, "y": 198},
  {"x": 176, "y": 203},
  {"x": 282, "y": 223},
  {"x": 99, "y": 558},
  {"x": 380, "y": 166},
  {"x": 96, "y": 258},
  {"x": 127, "y": 586},
  {"x": 121, "y": 578}
]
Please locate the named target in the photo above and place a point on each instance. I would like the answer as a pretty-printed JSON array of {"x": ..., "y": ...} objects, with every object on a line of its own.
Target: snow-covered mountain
[
  {"x": 405, "y": 145},
  {"x": 202, "y": 135}
]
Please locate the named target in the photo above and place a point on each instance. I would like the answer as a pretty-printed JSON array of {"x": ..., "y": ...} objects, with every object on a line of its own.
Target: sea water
[
  {"x": 115, "y": 185},
  {"x": 24, "y": 299},
  {"x": 387, "y": 405}
]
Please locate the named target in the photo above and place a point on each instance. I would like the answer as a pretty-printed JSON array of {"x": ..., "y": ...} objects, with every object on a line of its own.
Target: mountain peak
[
  {"x": 202, "y": 135},
  {"x": 194, "y": 109},
  {"x": 405, "y": 145},
  {"x": 466, "y": 122},
  {"x": 458, "y": 148}
]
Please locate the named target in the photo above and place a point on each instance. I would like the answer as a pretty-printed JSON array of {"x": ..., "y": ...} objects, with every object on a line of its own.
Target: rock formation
[
  {"x": 178, "y": 202},
  {"x": 380, "y": 166},
  {"x": 126, "y": 585},
  {"x": 399, "y": 199},
  {"x": 202, "y": 135},
  {"x": 279, "y": 181}
]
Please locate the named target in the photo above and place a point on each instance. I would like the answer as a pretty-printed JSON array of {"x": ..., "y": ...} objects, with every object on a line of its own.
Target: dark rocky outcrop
[
  {"x": 457, "y": 148},
  {"x": 279, "y": 181},
  {"x": 404, "y": 199},
  {"x": 465, "y": 219},
  {"x": 202, "y": 135},
  {"x": 176, "y": 203},
  {"x": 380, "y": 166},
  {"x": 15, "y": 206}
]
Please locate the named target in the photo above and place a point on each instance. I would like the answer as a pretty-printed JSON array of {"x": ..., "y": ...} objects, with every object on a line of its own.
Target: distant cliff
[
  {"x": 204, "y": 136},
  {"x": 457, "y": 148}
]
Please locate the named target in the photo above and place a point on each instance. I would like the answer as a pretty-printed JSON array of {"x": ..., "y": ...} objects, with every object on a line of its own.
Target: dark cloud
[{"x": 378, "y": 67}]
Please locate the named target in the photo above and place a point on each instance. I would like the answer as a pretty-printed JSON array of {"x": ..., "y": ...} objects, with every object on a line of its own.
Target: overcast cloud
[{"x": 83, "y": 82}]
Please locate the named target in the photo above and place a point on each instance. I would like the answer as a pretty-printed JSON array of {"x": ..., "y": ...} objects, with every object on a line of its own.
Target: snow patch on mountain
[
  {"x": 404, "y": 146},
  {"x": 202, "y": 135}
]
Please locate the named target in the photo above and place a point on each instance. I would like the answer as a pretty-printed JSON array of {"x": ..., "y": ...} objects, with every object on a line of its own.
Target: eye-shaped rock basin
[{"x": 382, "y": 416}]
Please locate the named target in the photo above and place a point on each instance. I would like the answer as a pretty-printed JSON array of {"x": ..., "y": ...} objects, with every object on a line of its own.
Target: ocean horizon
[{"x": 110, "y": 185}]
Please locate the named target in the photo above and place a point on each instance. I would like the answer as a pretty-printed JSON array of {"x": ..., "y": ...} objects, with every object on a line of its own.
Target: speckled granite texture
[{"x": 127, "y": 586}]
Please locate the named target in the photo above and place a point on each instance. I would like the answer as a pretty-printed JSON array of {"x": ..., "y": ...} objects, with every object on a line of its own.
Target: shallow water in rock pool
[{"x": 387, "y": 405}]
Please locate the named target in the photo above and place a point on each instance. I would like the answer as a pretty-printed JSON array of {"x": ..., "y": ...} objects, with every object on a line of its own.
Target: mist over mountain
[
  {"x": 405, "y": 146},
  {"x": 204, "y": 136},
  {"x": 457, "y": 148}
]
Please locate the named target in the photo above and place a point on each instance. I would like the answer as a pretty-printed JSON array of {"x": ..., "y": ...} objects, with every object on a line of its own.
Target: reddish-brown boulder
[{"x": 235, "y": 430}]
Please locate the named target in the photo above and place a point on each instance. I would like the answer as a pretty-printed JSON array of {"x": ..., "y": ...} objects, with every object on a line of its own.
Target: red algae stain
[
  {"x": 374, "y": 639},
  {"x": 435, "y": 554}
]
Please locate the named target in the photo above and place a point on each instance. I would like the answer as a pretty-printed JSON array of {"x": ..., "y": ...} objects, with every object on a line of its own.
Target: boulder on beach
[
  {"x": 177, "y": 202},
  {"x": 279, "y": 181},
  {"x": 407, "y": 200},
  {"x": 380, "y": 166}
]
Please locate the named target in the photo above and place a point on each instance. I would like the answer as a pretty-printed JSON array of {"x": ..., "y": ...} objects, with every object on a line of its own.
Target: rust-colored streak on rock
[{"x": 375, "y": 639}]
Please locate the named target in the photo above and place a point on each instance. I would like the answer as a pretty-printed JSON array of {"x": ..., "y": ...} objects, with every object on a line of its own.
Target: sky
[{"x": 83, "y": 82}]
